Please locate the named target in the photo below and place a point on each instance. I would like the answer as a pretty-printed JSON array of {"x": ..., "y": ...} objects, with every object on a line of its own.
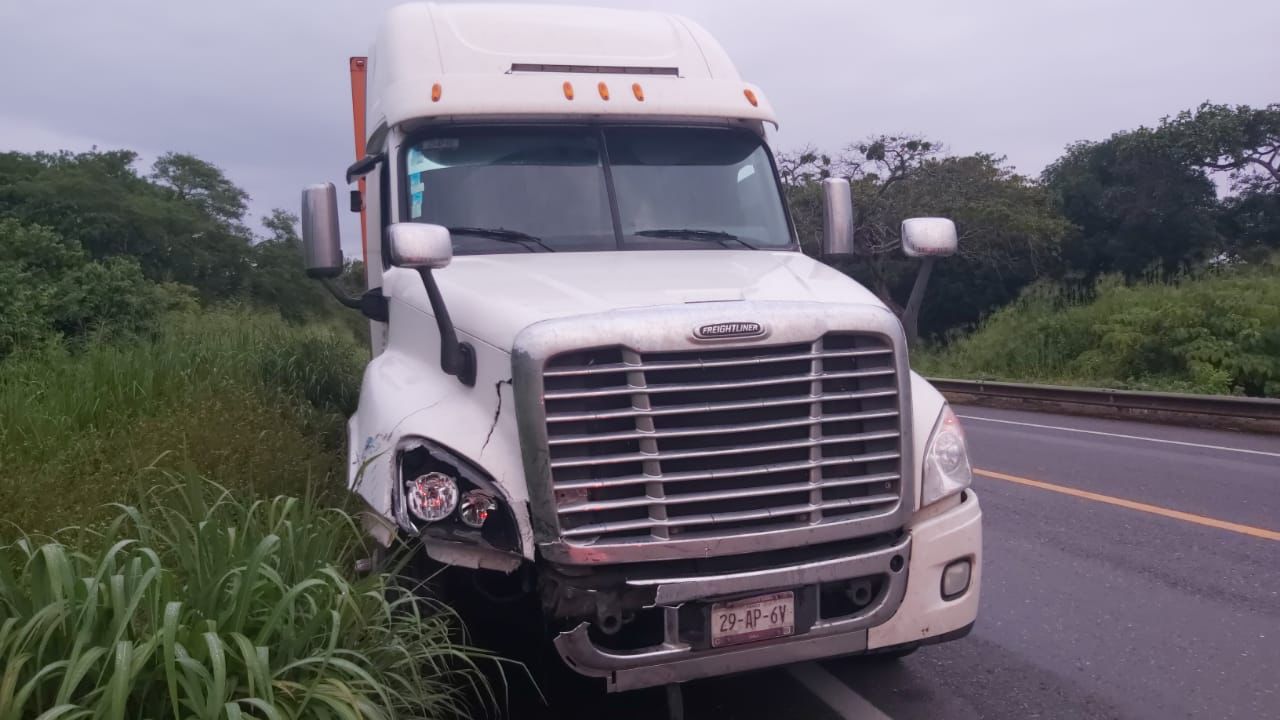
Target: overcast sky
[{"x": 261, "y": 88}]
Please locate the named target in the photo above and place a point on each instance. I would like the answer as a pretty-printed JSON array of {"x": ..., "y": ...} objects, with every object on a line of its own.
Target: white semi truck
[{"x": 601, "y": 364}]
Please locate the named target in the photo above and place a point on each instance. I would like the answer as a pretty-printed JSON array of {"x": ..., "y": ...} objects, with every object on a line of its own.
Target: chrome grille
[{"x": 713, "y": 443}]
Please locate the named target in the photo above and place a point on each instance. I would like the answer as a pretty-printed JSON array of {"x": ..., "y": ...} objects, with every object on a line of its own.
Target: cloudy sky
[{"x": 261, "y": 89}]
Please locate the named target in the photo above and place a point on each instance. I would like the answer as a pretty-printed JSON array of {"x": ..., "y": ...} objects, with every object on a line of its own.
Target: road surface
[{"x": 1132, "y": 571}]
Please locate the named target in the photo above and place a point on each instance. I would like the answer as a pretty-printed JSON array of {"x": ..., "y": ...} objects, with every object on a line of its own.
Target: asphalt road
[{"x": 1166, "y": 605}]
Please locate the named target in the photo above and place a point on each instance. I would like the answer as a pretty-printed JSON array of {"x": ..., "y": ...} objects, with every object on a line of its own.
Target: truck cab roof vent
[{"x": 596, "y": 69}]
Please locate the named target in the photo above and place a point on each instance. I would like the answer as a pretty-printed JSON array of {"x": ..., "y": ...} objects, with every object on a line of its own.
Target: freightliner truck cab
[{"x": 601, "y": 362}]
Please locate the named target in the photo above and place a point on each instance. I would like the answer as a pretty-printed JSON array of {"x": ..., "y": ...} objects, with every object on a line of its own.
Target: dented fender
[{"x": 405, "y": 398}]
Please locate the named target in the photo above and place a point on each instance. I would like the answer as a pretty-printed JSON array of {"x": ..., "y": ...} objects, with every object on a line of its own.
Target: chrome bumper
[{"x": 675, "y": 661}]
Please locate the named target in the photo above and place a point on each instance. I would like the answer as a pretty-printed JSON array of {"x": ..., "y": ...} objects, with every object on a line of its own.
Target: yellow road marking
[{"x": 1134, "y": 505}]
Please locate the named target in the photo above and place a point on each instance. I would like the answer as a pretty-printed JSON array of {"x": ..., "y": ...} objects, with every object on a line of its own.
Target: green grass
[
  {"x": 242, "y": 398},
  {"x": 1218, "y": 333},
  {"x": 173, "y": 543},
  {"x": 198, "y": 602}
]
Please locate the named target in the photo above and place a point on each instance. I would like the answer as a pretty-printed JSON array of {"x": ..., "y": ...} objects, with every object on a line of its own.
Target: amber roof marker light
[
  {"x": 637, "y": 91},
  {"x": 751, "y": 97},
  {"x": 435, "y": 92},
  {"x": 568, "y": 90},
  {"x": 604, "y": 90}
]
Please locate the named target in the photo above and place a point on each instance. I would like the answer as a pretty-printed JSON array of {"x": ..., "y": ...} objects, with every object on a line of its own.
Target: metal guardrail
[{"x": 1221, "y": 405}]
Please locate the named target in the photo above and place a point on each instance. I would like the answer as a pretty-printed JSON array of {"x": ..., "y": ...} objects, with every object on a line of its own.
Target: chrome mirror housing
[
  {"x": 837, "y": 218},
  {"x": 419, "y": 245},
  {"x": 321, "y": 245},
  {"x": 929, "y": 237}
]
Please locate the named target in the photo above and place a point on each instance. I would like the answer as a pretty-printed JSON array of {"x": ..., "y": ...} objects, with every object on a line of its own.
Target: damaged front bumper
[
  {"x": 905, "y": 610},
  {"x": 684, "y": 653}
]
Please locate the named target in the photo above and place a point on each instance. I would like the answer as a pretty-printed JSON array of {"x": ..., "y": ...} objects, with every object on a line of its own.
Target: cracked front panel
[{"x": 405, "y": 395}]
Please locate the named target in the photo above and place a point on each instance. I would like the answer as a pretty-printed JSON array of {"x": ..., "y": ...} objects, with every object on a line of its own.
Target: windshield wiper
[
  {"x": 503, "y": 235},
  {"x": 696, "y": 234}
]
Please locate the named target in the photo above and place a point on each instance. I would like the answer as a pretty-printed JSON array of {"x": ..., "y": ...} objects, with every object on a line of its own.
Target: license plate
[{"x": 757, "y": 618}]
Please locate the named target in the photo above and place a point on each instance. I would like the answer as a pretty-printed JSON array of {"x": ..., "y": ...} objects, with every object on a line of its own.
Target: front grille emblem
[{"x": 719, "y": 331}]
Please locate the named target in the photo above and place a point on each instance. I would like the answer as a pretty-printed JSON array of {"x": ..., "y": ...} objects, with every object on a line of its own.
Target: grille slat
[
  {"x": 716, "y": 452},
  {"x": 806, "y": 465},
  {"x": 721, "y": 429},
  {"x": 718, "y": 407},
  {"x": 731, "y": 516},
  {"x": 677, "y": 365},
  {"x": 738, "y": 385},
  {"x": 722, "y": 442},
  {"x": 727, "y": 494}
]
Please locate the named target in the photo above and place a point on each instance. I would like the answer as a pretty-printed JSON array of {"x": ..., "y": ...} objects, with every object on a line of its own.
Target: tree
[
  {"x": 277, "y": 280},
  {"x": 98, "y": 201},
  {"x": 1007, "y": 228},
  {"x": 87, "y": 241},
  {"x": 202, "y": 183},
  {"x": 1242, "y": 141},
  {"x": 1250, "y": 226},
  {"x": 1137, "y": 206},
  {"x": 282, "y": 227},
  {"x": 53, "y": 289},
  {"x": 874, "y": 168},
  {"x": 802, "y": 173}
]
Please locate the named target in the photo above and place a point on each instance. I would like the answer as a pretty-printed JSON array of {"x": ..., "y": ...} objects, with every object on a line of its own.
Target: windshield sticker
[
  {"x": 415, "y": 211},
  {"x": 415, "y": 161},
  {"x": 418, "y": 162}
]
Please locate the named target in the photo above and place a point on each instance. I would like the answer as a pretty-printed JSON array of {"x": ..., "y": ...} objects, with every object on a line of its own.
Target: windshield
[{"x": 550, "y": 189}]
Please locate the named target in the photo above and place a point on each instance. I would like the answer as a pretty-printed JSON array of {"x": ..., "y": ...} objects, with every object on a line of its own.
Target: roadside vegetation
[
  {"x": 199, "y": 601},
  {"x": 237, "y": 396},
  {"x": 1217, "y": 333},
  {"x": 175, "y": 535}
]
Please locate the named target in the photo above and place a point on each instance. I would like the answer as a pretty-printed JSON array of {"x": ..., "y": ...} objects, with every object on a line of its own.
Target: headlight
[
  {"x": 447, "y": 497},
  {"x": 946, "y": 460},
  {"x": 475, "y": 508},
  {"x": 432, "y": 497}
]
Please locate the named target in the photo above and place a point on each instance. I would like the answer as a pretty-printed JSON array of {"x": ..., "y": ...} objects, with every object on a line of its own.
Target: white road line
[
  {"x": 838, "y": 696},
  {"x": 1126, "y": 437}
]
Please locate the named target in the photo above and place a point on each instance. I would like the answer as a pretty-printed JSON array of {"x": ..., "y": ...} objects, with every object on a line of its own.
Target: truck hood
[{"x": 494, "y": 297}]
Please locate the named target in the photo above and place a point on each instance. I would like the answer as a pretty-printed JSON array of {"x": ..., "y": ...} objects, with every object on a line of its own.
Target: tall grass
[
  {"x": 243, "y": 398},
  {"x": 199, "y": 603},
  {"x": 1217, "y": 333}
]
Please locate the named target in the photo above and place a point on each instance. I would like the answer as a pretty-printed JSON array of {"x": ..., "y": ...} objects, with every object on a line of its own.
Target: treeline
[
  {"x": 1199, "y": 191},
  {"x": 90, "y": 245}
]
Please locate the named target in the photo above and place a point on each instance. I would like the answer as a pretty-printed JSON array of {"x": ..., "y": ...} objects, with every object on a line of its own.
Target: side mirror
[
  {"x": 425, "y": 248},
  {"x": 321, "y": 246},
  {"x": 418, "y": 245},
  {"x": 837, "y": 218},
  {"x": 929, "y": 237}
]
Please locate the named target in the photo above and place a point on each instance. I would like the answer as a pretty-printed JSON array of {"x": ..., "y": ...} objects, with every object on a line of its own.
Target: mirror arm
[
  {"x": 339, "y": 295},
  {"x": 364, "y": 166},
  {"x": 456, "y": 358},
  {"x": 371, "y": 304}
]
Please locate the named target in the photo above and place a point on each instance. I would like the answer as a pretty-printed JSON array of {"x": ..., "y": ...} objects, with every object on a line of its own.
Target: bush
[
  {"x": 54, "y": 291},
  {"x": 199, "y": 603},
  {"x": 1218, "y": 333},
  {"x": 243, "y": 398}
]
